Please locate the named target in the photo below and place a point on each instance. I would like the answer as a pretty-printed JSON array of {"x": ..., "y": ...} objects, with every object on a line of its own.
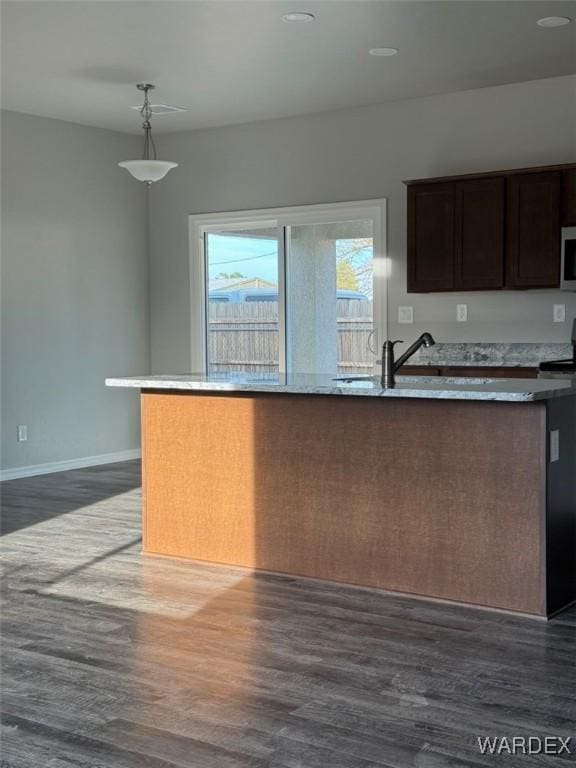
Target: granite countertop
[
  {"x": 432, "y": 387},
  {"x": 490, "y": 354}
]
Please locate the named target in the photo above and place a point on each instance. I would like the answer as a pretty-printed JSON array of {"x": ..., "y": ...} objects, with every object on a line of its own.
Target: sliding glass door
[
  {"x": 330, "y": 297},
  {"x": 300, "y": 291},
  {"x": 242, "y": 300}
]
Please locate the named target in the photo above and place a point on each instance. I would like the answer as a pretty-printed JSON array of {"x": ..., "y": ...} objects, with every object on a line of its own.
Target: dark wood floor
[{"x": 112, "y": 660}]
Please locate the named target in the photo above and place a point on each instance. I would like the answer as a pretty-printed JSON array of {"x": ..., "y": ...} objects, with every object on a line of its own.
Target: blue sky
[
  {"x": 258, "y": 257},
  {"x": 251, "y": 257}
]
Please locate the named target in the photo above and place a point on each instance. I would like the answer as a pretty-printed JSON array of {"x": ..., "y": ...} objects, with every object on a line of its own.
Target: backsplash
[{"x": 487, "y": 353}]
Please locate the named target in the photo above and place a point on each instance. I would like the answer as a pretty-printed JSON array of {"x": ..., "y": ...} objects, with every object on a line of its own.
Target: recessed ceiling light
[
  {"x": 383, "y": 51},
  {"x": 554, "y": 21},
  {"x": 298, "y": 16}
]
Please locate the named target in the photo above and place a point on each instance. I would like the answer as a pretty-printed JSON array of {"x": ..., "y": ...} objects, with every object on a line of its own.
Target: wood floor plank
[{"x": 113, "y": 660}]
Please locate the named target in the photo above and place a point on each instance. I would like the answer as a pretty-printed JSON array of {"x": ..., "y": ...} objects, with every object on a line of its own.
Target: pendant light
[{"x": 149, "y": 169}]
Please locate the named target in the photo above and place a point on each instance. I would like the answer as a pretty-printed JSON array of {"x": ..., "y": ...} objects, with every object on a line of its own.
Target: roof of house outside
[
  {"x": 236, "y": 283},
  {"x": 230, "y": 295}
]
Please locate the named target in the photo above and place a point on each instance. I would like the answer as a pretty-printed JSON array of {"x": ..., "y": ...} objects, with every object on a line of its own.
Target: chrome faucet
[{"x": 390, "y": 366}]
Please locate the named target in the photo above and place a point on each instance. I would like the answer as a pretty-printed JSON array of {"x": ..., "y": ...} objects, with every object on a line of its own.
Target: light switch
[
  {"x": 559, "y": 313},
  {"x": 406, "y": 315},
  {"x": 462, "y": 313}
]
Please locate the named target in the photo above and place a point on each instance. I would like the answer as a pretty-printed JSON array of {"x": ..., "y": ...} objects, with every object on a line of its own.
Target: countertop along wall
[
  {"x": 74, "y": 293},
  {"x": 354, "y": 155}
]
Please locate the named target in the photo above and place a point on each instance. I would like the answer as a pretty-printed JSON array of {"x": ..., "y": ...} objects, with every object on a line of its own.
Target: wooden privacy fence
[{"x": 243, "y": 336}]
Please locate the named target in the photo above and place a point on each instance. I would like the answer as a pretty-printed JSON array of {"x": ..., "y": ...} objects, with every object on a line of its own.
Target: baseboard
[{"x": 62, "y": 466}]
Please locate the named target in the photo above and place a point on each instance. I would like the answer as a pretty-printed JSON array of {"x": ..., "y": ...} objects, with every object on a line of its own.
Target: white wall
[
  {"x": 74, "y": 240},
  {"x": 74, "y": 290},
  {"x": 360, "y": 154}
]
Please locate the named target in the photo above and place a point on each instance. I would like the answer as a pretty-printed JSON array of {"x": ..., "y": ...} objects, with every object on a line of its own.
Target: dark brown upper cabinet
[
  {"x": 479, "y": 263},
  {"x": 456, "y": 236},
  {"x": 489, "y": 231},
  {"x": 569, "y": 198},
  {"x": 533, "y": 230},
  {"x": 431, "y": 245}
]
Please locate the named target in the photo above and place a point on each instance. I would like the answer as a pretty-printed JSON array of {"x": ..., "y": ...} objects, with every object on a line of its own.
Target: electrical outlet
[
  {"x": 559, "y": 313},
  {"x": 462, "y": 313},
  {"x": 22, "y": 433},
  {"x": 406, "y": 315},
  {"x": 554, "y": 445}
]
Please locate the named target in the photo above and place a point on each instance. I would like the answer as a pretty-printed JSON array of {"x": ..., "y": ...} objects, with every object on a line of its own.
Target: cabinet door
[
  {"x": 533, "y": 230},
  {"x": 480, "y": 234},
  {"x": 431, "y": 237},
  {"x": 569, "y": 198}
]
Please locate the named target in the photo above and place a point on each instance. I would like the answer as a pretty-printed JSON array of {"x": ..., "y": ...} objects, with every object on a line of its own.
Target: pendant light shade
[{"x": 148, "y": 169}]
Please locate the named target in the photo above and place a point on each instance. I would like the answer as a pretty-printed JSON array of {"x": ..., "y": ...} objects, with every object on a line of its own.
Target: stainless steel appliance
[
  {"x": 565, "y": 367},
  {"x": 568, "y": 259}
]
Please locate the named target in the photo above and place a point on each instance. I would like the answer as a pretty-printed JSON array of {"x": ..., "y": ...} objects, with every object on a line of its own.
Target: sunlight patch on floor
[{"x": 145, "y": 585}]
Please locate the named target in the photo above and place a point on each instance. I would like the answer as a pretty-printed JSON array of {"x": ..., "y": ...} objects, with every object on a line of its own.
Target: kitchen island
[{"x": 453, "y": 489}]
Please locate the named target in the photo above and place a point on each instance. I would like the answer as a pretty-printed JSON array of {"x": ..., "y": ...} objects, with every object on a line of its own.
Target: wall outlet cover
[
  {"x": 462, "y": 313},
  {"x": 22, "y": 433},
  {"x": 554, "y": 445},
  {"x": 559, "y": 313},
  {"x": 406, "y": 315}
]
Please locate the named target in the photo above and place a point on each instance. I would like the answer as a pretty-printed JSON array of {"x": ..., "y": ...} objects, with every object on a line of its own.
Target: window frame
[{"x": 280, "y": 218}]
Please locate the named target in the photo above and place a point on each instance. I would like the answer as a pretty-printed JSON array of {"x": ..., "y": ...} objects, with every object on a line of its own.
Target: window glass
[
  {"x": 242, "y": 301},
  {"x": 329, "y": 296}
]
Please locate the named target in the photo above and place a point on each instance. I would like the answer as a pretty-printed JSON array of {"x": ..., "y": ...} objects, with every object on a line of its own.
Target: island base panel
[{"x": 437, "y": 498}]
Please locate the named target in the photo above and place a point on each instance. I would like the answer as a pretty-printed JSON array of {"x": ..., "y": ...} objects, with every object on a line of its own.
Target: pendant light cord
[{"x": 146, "y": 113}]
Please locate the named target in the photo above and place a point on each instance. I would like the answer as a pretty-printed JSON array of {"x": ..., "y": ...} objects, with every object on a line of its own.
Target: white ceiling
[{"x": 235, "y": 61}]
